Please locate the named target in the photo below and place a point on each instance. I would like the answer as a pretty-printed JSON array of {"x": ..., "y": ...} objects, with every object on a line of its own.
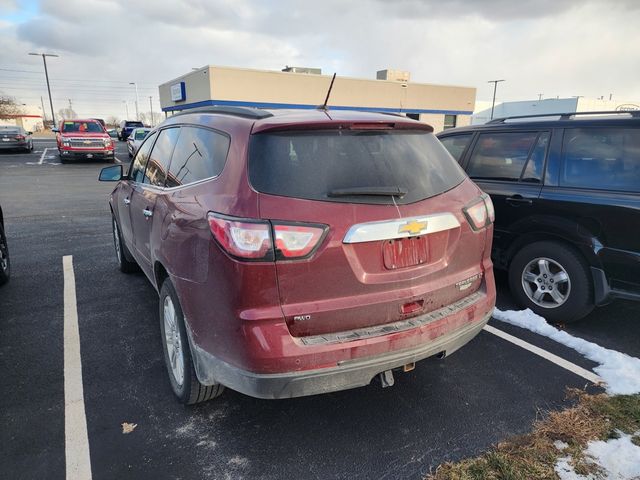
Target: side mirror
[
  {"x": 55, "y": 130},
  {"x": 111, "y": 174}
]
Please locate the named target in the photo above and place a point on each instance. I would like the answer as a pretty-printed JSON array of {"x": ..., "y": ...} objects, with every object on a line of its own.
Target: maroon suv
[{"x": 302, "y": 252}]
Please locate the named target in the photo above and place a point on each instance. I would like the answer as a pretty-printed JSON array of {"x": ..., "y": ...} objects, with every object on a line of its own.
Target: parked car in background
[
  {"x": 135, "y": 139},
  {"x": 126, "y": 126},
  {"x": 300, "y": 252},
  {"x": 83, "y": 139},
  {"x": 566, "y": 189},
  {"x": 5, "y": 264},
  {"x": 15, "y": 138}
]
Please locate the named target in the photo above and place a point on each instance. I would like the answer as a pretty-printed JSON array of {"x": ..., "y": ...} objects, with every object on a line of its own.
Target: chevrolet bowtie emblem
[
  {"x": 413, "y": 227},
  {"x": 87, "y": 142}
]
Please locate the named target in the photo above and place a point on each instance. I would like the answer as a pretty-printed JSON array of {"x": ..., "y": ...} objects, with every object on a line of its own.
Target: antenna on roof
[{"x": 326, "y": 100}]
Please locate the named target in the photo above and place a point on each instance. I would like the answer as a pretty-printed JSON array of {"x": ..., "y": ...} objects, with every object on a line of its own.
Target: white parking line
[
  {"x": 118, "y": 160},
  {"x": 78, "y": 460},
  {"x": 44, "y": 152},
  {"x": 561, "y": 362}
]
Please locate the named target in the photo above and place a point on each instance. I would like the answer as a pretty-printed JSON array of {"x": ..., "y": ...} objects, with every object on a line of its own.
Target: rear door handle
[
  {"x": 126, "y": 201},
  {"x": 147, "y": 213},
  {"x": 518, "y": 200}
]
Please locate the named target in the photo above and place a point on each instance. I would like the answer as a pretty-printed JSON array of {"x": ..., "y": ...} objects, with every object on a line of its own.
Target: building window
[
  {"x": 450, "y": 121},
  {"x": 414, "y": 116}
]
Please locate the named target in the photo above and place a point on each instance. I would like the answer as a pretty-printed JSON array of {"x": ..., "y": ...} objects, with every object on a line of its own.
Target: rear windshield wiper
[{"x": 376, "y": 191}]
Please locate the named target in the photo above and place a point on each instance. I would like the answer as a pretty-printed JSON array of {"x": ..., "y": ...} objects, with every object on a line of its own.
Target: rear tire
[
  {"x": 5, "y": 264},
  {"x": 177, "y": 353},
  {"x": 553, "y": 280},
  {"x": 122, "y": 252}
]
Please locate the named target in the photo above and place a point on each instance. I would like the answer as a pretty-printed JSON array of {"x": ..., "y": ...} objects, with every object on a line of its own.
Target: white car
[{"x": 135, "y": 139}]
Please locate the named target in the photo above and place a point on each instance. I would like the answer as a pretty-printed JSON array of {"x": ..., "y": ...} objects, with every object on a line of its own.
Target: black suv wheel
[
  {"x": 5, "y": 264},
  {"x": 552, "y": 280}
]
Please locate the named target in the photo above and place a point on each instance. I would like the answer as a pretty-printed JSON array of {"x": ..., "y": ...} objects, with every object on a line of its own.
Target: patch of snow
[
  {"x": 618, "y": 459},
  {"x": 560, "y": 445},
  {"x": 620, "y": 372}
]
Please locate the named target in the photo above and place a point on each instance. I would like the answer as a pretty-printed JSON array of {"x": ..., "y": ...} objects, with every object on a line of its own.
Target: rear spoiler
[{"x": 342, "y": 125}]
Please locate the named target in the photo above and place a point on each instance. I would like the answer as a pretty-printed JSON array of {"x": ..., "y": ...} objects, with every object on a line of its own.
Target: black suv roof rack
[
  {"x": 244, "y": 112},
  {"x": 567, "y": 115}
]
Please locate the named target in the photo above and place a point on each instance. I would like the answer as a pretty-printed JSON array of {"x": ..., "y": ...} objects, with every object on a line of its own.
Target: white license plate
[
  {"x": 6, "y": 139},
  {"x": 89, "y": 155}
]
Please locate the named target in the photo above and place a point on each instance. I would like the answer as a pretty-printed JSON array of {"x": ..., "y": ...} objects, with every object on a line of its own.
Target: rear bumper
[
  {"x": 442, "y": 335},
  {"x": 13, "y": 145}
]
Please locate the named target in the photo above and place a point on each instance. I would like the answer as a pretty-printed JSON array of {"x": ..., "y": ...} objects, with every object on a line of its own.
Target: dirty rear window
[{"x": 351, "y": 166}]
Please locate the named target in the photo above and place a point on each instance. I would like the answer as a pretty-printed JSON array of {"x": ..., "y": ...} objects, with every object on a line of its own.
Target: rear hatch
[{"x": 390, "y": 201}]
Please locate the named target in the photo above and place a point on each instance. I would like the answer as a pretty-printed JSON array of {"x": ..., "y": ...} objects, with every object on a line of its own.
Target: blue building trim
[{"x": 300, "y": 106}]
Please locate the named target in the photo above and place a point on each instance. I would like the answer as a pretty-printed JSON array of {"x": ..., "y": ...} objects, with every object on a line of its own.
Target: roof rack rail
[
  {"x": 567, "y": 115},
  {"x": 244, "y": 112}
]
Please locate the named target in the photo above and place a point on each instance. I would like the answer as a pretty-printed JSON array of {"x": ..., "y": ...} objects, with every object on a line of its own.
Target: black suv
[{"x": 566, "y": 189}]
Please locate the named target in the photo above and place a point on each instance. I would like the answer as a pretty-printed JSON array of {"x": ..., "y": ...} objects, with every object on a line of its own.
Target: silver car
[{"x": 135, "y": 139}]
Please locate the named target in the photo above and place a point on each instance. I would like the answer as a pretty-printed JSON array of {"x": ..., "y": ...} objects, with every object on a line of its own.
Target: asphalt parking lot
[{"x": 443, "y": 410}]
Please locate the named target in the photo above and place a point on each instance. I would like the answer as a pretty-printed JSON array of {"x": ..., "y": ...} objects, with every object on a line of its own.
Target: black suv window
[
  {"x": 601, "y": 158},
  {"x": 136, "y": 170},
  {"x": 161, "y": 157},
  {"x": 352, "y": 166},
  {"x": 456, "y": 144},
  {"x": 199, "y": 154},
  {"x": 504, "y": 155}
]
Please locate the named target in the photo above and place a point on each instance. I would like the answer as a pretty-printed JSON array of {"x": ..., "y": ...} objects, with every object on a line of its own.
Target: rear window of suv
[{"x": 352, "y": 166}]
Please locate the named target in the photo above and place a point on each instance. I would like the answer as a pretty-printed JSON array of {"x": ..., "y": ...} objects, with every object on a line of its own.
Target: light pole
[
  {"x": 136, "y": 85},
  {"x": 126, "y": 108},
  {"x": 151, "y": 107},
  {"x": 495, "y": 86},
  {"x": 46, "y": 74}
]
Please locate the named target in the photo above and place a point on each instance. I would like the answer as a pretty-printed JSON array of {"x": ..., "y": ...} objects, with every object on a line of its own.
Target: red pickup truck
[{"x": 83, "y": 139}]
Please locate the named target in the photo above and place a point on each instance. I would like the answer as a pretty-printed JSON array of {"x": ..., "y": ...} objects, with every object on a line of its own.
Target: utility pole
[
  {"x": 126, "y": 108},
  {"x": 70, "y": 107},
  {"x": 44, "y": 114},
  {"x": 540, "y": 96},
  {"x": 151, "y": 107},
  {"x": 495, "y": 86},
  {"x": 137, "y": 100},
  {"x": 46, "y": 74}
]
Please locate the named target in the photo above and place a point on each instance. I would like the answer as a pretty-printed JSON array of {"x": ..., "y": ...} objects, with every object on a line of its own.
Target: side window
[
  {"x": 456, "y": 144},
  {"x": 199, "y": 154},
  {"x": 139, "y": 163},
  {"x": 533, "y": 172},
  {"x": 601, "y": 158},
  {"x": 501, "y": 156},
  {"x": 160, "y": 158}
]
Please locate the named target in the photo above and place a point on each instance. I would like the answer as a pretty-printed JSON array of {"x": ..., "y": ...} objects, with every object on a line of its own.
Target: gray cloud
[{"x": 558, "y": 47}]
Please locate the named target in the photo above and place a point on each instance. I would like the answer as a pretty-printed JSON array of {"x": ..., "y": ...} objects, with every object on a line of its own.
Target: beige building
[{"x": 441, "y": 106}]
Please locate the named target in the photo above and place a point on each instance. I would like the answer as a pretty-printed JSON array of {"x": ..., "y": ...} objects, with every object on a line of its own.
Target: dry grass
[{"x": 533, "y": 456}]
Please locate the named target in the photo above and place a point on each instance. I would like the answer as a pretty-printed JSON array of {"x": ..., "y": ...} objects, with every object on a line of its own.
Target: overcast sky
[{"x": 554, "y": 47}]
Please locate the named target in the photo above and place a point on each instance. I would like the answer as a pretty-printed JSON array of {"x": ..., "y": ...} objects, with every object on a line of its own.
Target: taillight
[
  {"x": 490, "y": 210},
  {"x": 20, "y": 137},
  {"x": 248, "y": 239},
  {"x": 295, "y": 241},
  {"x": 480, "y": 212},
  {"x": 254, "y": 239}
]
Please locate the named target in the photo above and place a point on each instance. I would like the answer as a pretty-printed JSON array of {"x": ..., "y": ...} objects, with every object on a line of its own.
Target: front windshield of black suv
[{"x": 369, "y": 166}]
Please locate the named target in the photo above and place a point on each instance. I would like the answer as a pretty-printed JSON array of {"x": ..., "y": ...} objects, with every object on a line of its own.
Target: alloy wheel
[
  {"x": 173, "y": 341},
  {"x": 546, "y": 282}
]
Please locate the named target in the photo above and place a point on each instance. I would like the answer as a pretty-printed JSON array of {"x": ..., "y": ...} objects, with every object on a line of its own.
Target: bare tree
[
  {"x": 9, "y": 107},
  {"x": 66, "y": 113},
  {"x": 113, "y": 121}
]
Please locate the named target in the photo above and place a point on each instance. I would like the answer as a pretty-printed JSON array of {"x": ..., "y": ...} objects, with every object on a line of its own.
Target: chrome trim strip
[
  {"x": 390, "y": 229},
  {"x": 400, "y": 326}
]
